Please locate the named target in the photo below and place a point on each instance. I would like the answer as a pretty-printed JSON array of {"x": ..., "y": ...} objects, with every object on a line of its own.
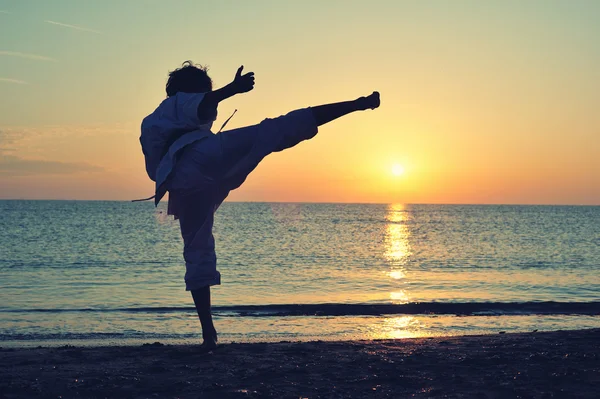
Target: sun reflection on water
[
  {"x": 399, "y": 296},
  {"x": 397, "y": 274},
  {"x": 398, "y": 249},
  {"x": 399, "y": 327}
]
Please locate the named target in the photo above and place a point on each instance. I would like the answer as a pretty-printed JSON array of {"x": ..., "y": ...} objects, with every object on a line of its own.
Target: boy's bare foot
[
  {"x": 210, "y": 341},
  {"x": 209, "y": 344},
  {"x": 370, "y": 102}
]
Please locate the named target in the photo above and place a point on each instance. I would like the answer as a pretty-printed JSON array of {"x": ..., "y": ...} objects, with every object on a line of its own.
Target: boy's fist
[{"x": 243, "y": 83}]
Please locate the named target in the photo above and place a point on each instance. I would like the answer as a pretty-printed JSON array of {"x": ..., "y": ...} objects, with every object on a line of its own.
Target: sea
[{"x": 111, "y": 273}]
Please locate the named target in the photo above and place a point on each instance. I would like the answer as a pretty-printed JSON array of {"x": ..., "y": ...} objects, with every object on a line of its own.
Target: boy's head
[{"x": 190, "y": 78}]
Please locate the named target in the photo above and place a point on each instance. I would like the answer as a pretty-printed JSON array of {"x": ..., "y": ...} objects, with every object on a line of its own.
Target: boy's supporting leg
[
  {"x": 202, "y": 301},
  {"x": 328, "y": 112}
]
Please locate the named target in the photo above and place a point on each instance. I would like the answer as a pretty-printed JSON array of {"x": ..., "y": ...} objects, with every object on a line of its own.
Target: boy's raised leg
[{"x": 328, "y": 112}]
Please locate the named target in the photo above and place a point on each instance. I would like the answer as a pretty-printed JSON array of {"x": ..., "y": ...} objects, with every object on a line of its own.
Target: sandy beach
[{"x": 562, "y": 364}]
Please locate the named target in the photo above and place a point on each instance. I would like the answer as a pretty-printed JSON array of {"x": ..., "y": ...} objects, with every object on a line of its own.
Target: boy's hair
[{"x": 190, "y": 78}]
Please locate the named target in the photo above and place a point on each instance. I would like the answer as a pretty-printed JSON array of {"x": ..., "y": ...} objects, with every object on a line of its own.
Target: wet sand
[{"x": 562, "y": 364}]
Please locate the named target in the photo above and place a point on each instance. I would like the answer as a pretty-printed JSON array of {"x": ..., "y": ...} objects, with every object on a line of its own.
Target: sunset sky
[{"x": 482, "y": 101}]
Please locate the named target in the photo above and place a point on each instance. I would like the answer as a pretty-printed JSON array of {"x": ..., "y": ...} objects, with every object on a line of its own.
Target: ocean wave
[{"x": 341, "y": 309}]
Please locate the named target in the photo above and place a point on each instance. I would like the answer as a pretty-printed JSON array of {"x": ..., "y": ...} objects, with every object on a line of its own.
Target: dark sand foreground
[{"x": 564, "y": 364}]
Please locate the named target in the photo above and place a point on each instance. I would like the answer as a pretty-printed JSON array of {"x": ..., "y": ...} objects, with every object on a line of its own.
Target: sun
[{"x": 397, "y": 170}]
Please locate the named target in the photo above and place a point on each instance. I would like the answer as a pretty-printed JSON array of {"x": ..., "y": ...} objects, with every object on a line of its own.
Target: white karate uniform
[{"x": 201, "y": 168}]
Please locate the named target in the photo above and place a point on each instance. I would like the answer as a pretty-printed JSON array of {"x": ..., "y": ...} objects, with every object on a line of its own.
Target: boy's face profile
[{"x": 201, "y": 84}]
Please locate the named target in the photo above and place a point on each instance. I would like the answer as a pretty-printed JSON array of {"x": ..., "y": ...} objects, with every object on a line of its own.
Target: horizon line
[{"x": 316, "y": 202}]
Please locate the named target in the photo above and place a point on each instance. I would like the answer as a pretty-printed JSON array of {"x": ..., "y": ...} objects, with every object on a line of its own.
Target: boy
[{"x": 199, "y": 168}]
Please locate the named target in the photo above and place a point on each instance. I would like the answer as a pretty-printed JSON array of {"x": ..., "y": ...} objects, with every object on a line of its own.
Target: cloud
[
  {"x": 11, "y": 142},
  {"x": 74, "y": 27},
  {"x": 15, "y": 166},
  {"x": 27, "y": 55},
  {"x": 8, "y": 139},
  {"x": 107, "y": 146},
  {"x": 19, "y": 138},
  {"x": 17, "y": 81}
]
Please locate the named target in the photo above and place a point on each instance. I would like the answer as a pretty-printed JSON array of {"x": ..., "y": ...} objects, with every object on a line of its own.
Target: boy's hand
[{"x": 243, "y": 83}]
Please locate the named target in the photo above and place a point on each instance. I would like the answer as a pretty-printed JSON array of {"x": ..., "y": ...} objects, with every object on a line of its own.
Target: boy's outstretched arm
[{"x": 241, "y": 84}]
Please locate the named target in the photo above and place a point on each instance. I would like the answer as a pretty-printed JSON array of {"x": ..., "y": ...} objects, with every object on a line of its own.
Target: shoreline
[{"x": 536, "y": 364}]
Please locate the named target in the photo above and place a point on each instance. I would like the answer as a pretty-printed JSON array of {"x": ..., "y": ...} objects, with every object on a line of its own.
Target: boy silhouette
[{"x": 199, "y": 168}]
